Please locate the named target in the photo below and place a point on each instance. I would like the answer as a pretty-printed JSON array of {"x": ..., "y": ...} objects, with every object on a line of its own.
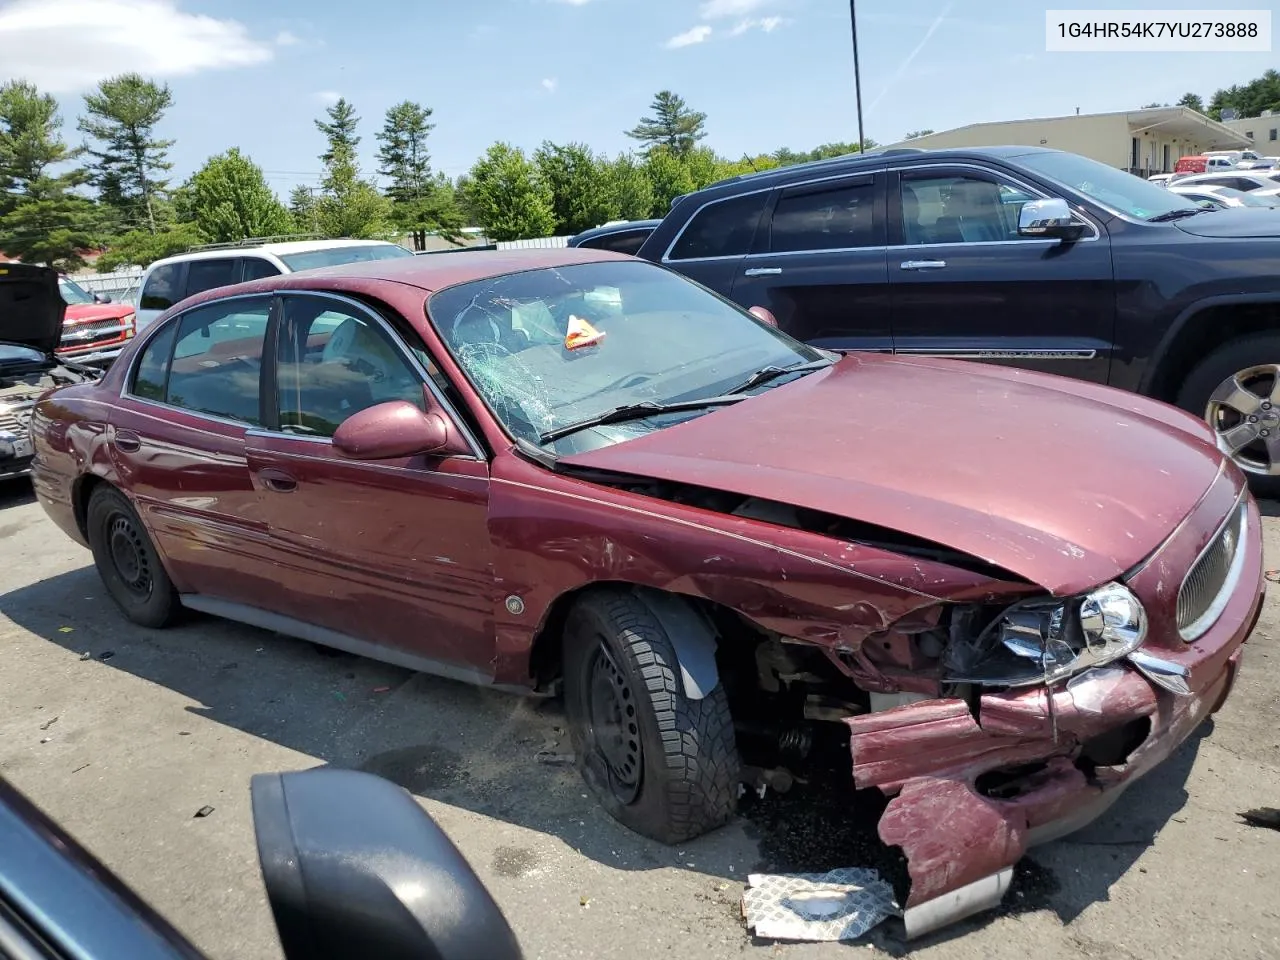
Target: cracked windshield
[{"x": 549, "y": 349}]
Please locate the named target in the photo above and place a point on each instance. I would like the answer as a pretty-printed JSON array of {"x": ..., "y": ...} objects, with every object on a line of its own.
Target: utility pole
[{"x": 857, "y": 81}]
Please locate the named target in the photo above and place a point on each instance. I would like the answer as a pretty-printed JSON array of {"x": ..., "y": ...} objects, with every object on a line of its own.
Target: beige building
[
  {"x": 1262, "y": 132},
  {"x": 1140, "y": 141}
]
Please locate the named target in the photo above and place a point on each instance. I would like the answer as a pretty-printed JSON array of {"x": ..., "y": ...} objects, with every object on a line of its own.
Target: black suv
[{"x": 1013, "y": 255}]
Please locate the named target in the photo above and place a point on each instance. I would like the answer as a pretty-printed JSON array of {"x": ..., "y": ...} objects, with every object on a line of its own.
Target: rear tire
[
  {"x": 662, "y": 764},
  {"x": 128, "y": 562},
  {"x": 1255, "y": 362}
]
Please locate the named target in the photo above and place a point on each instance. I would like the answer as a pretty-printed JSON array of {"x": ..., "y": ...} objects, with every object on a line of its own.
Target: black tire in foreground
[
  {"x": 662, "y": 764},
  {"x": 1254, "y": 363},
  {"x": 127, "y": 561}
]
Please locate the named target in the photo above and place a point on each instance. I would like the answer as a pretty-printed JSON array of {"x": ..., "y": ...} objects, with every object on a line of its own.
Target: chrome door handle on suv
[
  {"x": 762, "y": 272},
  {"x": 923, "y": 264}
]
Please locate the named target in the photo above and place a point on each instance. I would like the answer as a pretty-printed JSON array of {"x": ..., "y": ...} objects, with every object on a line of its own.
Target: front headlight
[{"x": 1044, "y": 641}]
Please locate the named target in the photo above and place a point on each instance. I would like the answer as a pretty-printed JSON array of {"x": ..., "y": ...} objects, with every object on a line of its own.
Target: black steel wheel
[
  {"x": 127, "y": 560},
  {"x": 662, "y": 763}
]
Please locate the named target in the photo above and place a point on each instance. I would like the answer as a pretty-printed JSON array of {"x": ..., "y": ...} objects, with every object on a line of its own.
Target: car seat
[{"x": 973, "y": 212}]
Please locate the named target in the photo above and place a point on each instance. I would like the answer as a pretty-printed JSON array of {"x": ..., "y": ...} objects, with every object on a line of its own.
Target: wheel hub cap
[
  {"x": 1244, "y": 412},
  {"x": 128, "y": 556},
  {"x": 615, "y": 733}
]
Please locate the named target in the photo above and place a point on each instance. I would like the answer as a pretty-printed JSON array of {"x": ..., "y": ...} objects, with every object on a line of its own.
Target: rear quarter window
[
  {"x": 724, "y": 228},
  {"x": 161, "y": 290}
]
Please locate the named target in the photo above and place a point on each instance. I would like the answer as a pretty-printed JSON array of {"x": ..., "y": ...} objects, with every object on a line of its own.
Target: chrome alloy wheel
[{"x": 1244, "y": 412}]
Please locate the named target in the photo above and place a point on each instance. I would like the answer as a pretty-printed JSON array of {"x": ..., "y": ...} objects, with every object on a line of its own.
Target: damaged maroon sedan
[{"x": 1004, "y": 595}]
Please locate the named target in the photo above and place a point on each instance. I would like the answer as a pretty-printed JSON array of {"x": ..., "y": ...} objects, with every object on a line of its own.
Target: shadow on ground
[
  {"x": 15, "y": 493},
  {"x": 503, "y": 756}
]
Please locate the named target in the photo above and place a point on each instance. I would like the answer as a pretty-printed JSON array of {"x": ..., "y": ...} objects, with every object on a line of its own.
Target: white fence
[
  {"x": 537, "y": 243},
  {"x": 121, "y": 286}
]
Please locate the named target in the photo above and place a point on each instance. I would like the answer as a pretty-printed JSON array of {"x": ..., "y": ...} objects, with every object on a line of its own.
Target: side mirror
[
  {"x": 354, "y": 867},
  {"x": 764, "y": 315},
  {"x": 387, "y": 431},
  {"x": 101, "y": 298},
  {"x": 1049, "y": 220}
]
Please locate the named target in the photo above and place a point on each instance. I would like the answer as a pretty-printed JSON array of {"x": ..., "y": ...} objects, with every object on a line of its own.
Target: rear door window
[
  {"x": 628, "y": 241},
  {"x": 218, "y": 357},
  {"x": 837, "y": 217},
  {"x": 204, "y": 275},
  {"x": 161, "y": 291},
  {"x": 724, "y": 228}
]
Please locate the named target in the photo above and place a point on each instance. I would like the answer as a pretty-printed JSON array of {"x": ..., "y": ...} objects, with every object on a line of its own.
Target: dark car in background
[
  {"x": 1019, "y": 256},
  {"x": 621, "y": 236}
]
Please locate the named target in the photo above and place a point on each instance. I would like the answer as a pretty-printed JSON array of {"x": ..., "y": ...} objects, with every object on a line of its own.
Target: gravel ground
[{"x": 125, "y": 746}]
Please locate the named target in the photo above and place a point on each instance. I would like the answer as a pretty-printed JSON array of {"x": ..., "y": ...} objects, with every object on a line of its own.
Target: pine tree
[
  {"x": 673, "y": 125},
  {"x": 129, "y": 161},
  {"x": 41, "y": 219},
  {"x": 340, "y": 130},
  {"x": 420, "y": 202}
]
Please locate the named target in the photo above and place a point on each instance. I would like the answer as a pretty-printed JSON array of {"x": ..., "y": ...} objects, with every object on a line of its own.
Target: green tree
[
  {"x": 349, "y": 206},
  {"x": 1248, "y": 100},
  {"x": 129, "y": 161},
  {"x": 630, "y": 191},
  {"x": 340, "y": 130},
  {"x": 915, "y": 134},
  {"x": 508, "y": 196},
  {"x": 669, "y": 177},
  {"x": 139, "y": 248},
  {"x": 421, "y": 203},
  {"x": 580, "y": 191},
  {"x": 302, "y": 207},
  {"x": 1193, "y": 101},
  {"x": 41, "y": 219},
  {"x": 673, "y": 125},
  {"x": 230, "y": 200}
]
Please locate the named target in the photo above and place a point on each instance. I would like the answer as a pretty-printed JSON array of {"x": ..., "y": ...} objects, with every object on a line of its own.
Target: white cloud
[
  {"x": 65, "y": 46},
  {"x": 328, "y": 97},
  {"x": 718, "y": 9},
  {"x": 549, "y": 84},
  {"x": 286, "y": 38},
  {"x": 687, "y": 39},
  {"x": 767, "y": 24}
]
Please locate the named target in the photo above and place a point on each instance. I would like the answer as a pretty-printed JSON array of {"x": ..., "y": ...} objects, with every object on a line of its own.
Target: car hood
[
  {"x": 1065, "y": 484},
  {"x": 1240, "y": 222},
  {"x": 31, "y": 308},
  {"x": 89, "y": 312}
]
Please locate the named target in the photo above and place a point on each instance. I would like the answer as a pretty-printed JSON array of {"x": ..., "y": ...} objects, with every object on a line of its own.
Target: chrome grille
[
  {"x": 1208, "y": 586},
  {"x": 80, "y": 334}
]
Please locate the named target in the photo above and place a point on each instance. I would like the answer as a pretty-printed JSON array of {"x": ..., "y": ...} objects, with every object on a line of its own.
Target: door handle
[
  {"x": 127, "y": 441},
  {"x": 923, "y": 264},
  {"x": 762, "y": 272},
  {"x": 277, "y": 480}
]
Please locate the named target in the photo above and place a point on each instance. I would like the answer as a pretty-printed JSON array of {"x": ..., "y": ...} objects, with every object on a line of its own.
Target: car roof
[
  {"x": 618, "y": 226},
  {"x": 426, "y": 273},
  {"x": 284, "y": 248}
]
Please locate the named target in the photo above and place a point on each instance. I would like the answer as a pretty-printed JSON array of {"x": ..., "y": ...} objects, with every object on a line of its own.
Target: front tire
[
  {"x": 128, "y": 562},
  {"x": 662, "y": 764},
  {"x": 1236, "y": 389}
]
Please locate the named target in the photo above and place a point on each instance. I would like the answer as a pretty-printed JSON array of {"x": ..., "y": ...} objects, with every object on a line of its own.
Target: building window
[
  {"x": 1135, "y": 153},
  {"x": 1273, "y": 133},
  {"x": 1249, "y": 134}
]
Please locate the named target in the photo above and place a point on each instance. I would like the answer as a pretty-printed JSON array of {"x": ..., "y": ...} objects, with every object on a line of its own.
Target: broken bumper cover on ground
[{"x": 974, "y": 789}]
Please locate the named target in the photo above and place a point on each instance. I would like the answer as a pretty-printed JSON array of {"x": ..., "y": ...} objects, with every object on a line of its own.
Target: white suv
[{"x": 173, "y": 279}]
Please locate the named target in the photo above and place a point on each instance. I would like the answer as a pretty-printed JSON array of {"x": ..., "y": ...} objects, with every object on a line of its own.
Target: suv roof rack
[{"x": 255, "y": 241}]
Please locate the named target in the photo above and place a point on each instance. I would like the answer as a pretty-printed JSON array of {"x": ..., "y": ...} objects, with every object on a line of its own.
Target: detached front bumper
[{"x": 973, "y": 790}]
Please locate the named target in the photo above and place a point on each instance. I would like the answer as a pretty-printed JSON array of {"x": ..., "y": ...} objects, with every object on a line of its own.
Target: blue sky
[{"x": 768, "y": 73}]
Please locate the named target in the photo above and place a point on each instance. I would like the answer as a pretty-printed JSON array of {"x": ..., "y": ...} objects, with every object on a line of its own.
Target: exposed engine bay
[{"x": 24, "y": 377}]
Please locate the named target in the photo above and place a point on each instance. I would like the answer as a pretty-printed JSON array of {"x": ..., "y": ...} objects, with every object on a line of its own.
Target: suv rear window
[
  {"x": 337, "y": 255},
  {"x": 724, "y": 228},
  {"x": 161, "y": 291},
  {"x": 204, "y": 275}
]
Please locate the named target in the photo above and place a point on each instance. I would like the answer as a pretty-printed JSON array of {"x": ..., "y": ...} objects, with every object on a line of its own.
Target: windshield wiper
[
  {"x": 1176, "y": 214},
  {"x": 637, "y": 411},
  {"x": 772, "y": 372}
]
